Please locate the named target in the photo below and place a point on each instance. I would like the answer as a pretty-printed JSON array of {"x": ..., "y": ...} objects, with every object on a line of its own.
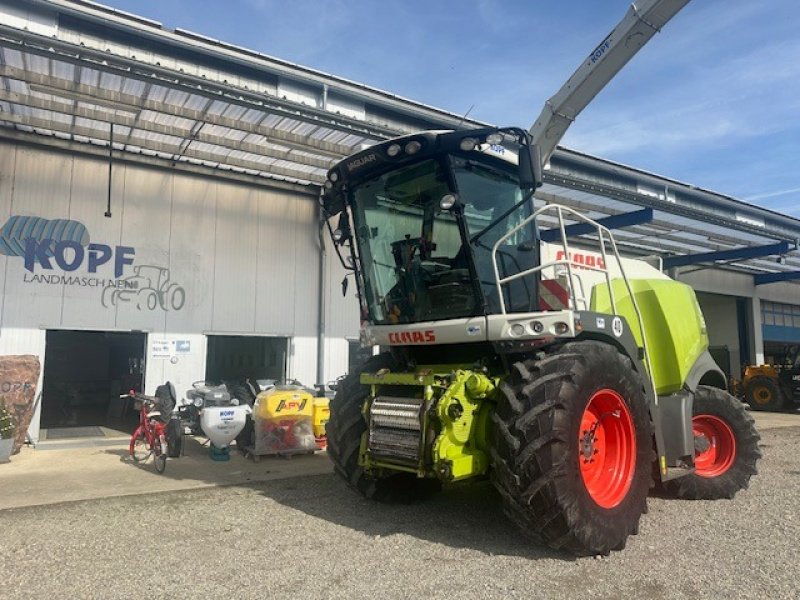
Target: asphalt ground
[{"x": 311, "y": 537}]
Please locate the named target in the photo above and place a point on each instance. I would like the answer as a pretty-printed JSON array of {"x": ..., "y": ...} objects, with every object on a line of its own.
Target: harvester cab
[{"x": 569, "y": 382}]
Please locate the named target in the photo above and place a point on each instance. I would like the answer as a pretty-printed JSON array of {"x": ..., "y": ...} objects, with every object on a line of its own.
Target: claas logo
[
  {"x": 412, "y": 337},
  {"x": 291, "y": 405}
]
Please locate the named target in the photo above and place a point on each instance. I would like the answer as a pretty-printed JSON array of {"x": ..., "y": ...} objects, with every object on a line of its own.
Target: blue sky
[{"x": 714, "y": 100}]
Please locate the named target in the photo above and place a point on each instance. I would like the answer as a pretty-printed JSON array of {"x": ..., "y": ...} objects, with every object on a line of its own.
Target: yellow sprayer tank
[
  {"x": 322, "y": 412},
  {"x": 283, "y": 419}
]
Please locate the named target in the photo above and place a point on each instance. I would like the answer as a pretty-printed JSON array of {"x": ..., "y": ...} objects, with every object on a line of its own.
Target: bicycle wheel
[
  {"x": 139, "y": 449},
  {"x": 160, "y": 457},
  {"x": 160, "y": 462}
]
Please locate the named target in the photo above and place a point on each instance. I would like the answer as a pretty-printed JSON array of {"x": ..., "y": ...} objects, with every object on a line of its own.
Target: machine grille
[{"x": 395, "y": 432}]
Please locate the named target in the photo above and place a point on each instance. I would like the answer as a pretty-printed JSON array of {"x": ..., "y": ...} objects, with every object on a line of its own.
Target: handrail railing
[{"x": 567, "y": 262}]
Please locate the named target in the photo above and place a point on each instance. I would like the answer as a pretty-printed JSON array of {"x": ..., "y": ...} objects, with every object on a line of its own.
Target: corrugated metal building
[{"x": 159, "y": 200}]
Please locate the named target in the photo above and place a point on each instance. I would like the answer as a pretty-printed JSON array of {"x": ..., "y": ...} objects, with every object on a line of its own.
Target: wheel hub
[
  {"x": 701, "y": 444},
  {"x": 589, "y": 437},
  {"x": 607, "y": 448},
  {"x": 763, "y": 395},
  {"x": 715, "y": 445}
]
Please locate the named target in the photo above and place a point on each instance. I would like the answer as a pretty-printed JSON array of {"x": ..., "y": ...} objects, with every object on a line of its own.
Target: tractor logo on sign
[
  {"x": 149, "y": 288},
  {"x": 616, "y": 326}
]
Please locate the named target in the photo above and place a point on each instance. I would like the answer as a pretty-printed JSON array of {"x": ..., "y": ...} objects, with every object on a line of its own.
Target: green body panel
[
  {"x": 455, "y": 452},
  {"x": 674, "y": 326},
  {"x": 391, "y": 378}
]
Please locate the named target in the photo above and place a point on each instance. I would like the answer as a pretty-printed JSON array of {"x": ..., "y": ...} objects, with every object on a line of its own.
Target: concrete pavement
[{"x": 42, "y": 476}]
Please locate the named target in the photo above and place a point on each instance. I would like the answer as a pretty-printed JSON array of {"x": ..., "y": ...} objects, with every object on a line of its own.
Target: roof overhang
[{"x": 74, "y": 73}]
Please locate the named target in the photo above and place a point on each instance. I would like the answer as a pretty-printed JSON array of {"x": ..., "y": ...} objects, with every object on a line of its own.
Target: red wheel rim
[
  {"x": 720, "y": 452},
  {"x": 607, "y": 448}
]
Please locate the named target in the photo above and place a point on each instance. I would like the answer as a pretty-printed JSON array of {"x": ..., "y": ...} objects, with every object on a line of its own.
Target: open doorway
[
  {"x": 240, "y": 357},
  {"x": 84, "y": 374}
]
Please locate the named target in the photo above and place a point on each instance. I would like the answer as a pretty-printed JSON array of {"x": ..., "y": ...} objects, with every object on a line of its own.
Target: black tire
[
  {"x": 240, "y": 391},
  {"x": 764, "y": 393},
  {"x": 721, "y": 405},
  {"x": 174, "y": 436},
  {"x": 159, "y": 460},
  {"x": 536, "y": 453},
  {"x": 247, "y": 437},
  {"x": 344, "y": 431}
]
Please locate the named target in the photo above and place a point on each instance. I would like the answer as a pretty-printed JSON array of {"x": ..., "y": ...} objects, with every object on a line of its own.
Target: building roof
[{"x": 81, "y": 72}]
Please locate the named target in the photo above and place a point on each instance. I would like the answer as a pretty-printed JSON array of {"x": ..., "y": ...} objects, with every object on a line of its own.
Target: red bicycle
[{"x": 149, "y": 438}]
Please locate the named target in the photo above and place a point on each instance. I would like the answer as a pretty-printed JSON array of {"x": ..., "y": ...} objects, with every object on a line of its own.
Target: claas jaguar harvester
[{"x": 573, "y": 384}]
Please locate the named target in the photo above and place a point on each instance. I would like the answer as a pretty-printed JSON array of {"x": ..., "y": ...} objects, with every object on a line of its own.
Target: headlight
[
  {"x": 393, "y": 150},
  {"x": 468, "y": 144},
  {"x": 337, "y": 235},
  {"x": 447, "y": 202},
  {"x": 234, "y": 402},
  {"x": 495, "y": 138},
  {"x": 334, "y": 176},
  {"x": 198, "y": 402},
  {"x": 413, "y": 147}
]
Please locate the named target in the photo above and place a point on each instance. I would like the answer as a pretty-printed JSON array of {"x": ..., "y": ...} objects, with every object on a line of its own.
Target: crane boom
[{"x": 642, "y": 21}]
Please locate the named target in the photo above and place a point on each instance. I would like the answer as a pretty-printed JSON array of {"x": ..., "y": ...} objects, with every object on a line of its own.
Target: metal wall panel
[
  {"x": 342, "y": 312},
  {"x": 303, "y": 359},
  {"x": 146, "y": 208},
  {"x": 235, "y": 260},
  {"x": 337, "y": 355},
  {"x": 346, "y": 106},
  {"x": 276, "y": 262},
  {"x": 192, "y": 253},
  {"x": 83, "y": 304},
  {"x": 8, "y": 157},
  {"x": 41, "y": 188},
  {"x": 306, "y": 274}
]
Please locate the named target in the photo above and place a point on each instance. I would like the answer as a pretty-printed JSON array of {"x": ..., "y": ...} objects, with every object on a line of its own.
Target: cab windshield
[
  {"x": 416, "y": 259},
  {"x": 412, "y": 253}
]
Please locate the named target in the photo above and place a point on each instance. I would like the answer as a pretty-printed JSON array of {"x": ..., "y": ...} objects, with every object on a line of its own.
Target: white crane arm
[{"x": 642, "y": 21}]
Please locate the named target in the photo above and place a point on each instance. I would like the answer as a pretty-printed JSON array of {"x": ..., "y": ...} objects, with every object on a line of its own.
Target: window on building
[{"x": 782, "y": 315}]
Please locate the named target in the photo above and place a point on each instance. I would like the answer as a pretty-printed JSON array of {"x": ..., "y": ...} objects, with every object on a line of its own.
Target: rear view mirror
[
  {"x": 345, "y": 283},
  {"x": 530, "y": 167}
]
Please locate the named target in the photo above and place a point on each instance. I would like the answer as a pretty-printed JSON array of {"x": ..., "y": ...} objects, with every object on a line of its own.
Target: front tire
[
  {"x": 160, "y": 462},
  {"x": 726, "y": 448},
  {"x": 573, "y": 448},
  {"x": 139, "y": 448},
  {"x": 160, "y": 456},
  {"x": 345, "y": 429}
]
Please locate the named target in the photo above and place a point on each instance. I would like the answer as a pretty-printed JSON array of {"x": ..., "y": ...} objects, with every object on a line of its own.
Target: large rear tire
[
  {"x": 573, "y": 450},
  {"x": 764, "y": 393},
  {"x": 726, "y": 448},
  {"x": 345, "y": 429}
]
